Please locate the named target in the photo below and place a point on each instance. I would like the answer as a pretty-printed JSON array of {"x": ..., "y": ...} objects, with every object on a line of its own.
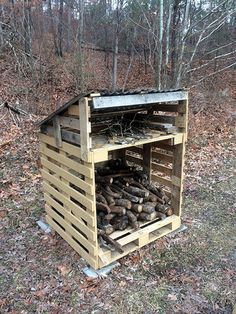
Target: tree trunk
[
  {"x": 27, "y": 28},
  {"x": 60, "y": 29}
]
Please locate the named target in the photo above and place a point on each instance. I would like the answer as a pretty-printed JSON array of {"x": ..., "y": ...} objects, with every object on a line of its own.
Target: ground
[{"x": 188, "y": 272}]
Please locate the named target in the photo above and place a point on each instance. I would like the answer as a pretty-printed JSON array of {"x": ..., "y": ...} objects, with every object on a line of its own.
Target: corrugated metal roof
[{"x": 103, "y": 93}]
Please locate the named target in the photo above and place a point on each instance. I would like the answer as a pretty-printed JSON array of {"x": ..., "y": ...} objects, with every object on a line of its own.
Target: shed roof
[{"x": 104, "y": 93}]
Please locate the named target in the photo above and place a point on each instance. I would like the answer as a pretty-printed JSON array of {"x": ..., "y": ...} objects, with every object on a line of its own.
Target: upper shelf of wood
[{"x": 101, "y": 153}]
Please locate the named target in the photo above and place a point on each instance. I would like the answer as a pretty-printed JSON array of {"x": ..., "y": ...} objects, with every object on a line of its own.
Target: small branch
[{"x": 216, "y": 72}]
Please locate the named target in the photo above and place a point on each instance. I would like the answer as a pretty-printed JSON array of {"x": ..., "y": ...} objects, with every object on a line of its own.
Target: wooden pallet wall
[{"x": 69, "y": 192}]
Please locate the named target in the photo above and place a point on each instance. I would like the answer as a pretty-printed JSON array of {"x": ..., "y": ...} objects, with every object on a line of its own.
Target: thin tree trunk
[
  {"x": 159, "y": 65},
  {"x": 1, "y": 29},
  {"x": 79, "y": 49},
  {"x": 53, "y": 28},
  {"x": 27, "y": 28},
  {"x": 114, "y": 61},
  {"x": 60, "y": 28},
  {"x": 174, "y": 40},
  {"x": 167, "y": 55},
  {"x": 184, "y": 33}
]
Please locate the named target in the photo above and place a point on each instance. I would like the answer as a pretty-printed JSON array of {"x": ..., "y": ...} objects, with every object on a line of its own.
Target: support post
[
  {"x": 57, "y": 131},
  {"x": 85, "y": 129},
  {"x": 147, "y": 159}
]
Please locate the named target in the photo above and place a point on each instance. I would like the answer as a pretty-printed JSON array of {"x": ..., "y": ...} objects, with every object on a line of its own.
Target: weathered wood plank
[
  {"x": 161, "y": 181},
  {"x": 161, "y": 168},
  {"x": 66, "y": 135},
  {"x": 69, "y": 122},
  {"x": 74, "y": 110},
  {"x": 162, "y": 157}
]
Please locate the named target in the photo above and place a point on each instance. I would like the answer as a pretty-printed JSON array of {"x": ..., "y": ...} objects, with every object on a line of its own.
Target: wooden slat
[
  {"x": 68, "y": 176},
  {"x": 68, "y": 148},
  {"x": 161, "y": 181},
  {"x": 161, "y": 168},
  {"x": 91, "y": 260},
  {"x": 77, "y": 210},
  {"x": 66, "y": 135},
  {"x": 70, "y": 191},
  {"x": 71, "y": 218},
  {"x": 66, "y": 161},
  {"x": 73, "y": 110},
  {"x": 69, "y": 122},
  {"x": 166, "y": 107},
  {"x": 136, "y": 160},
  {"x": 135, "y": 149},
  {"x": 162, "y": 157},
  {"x": 155, "y": 118},
  {"x": 164, "y": 146},
  {"x": 70, "y": 229}
]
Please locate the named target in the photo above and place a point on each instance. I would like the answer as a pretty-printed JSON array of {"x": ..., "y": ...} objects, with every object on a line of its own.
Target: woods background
[{"x": 54, "y": 49}]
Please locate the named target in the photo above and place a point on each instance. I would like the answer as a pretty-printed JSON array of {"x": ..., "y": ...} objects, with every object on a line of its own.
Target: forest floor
[{"x": 187, "y": 272}]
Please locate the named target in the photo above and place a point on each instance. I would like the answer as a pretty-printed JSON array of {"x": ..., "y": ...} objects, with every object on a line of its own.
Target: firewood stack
[{"x": 124, "y": 198}]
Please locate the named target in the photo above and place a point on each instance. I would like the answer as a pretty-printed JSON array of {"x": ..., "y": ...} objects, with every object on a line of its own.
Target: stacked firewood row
[{"x": 125, "y": 198}]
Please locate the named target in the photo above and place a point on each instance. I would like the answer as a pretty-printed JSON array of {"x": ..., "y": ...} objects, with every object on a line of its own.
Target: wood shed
[{"x": 112, "y": 168}]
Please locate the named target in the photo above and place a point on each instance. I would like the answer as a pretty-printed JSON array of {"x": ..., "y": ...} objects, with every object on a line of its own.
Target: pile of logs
[{"x": 124, "y": 198}]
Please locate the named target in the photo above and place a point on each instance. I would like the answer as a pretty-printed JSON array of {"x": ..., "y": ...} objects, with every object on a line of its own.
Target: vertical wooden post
[
  {"x": 177, "y": 177},
  {"x": 57, "y": 131},
  {"x": 85, "y": 128},
  {"x": 147, "y": 159},
  {"x": 183, "y": 114}
]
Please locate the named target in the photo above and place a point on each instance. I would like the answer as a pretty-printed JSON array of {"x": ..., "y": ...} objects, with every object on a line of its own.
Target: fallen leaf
[
  {"x": 64, "y": 270},
  {"x": 172, "y": 297}
]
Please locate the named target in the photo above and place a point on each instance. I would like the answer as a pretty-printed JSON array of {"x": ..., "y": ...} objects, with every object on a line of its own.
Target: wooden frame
[{"x": 68, "y": 161}]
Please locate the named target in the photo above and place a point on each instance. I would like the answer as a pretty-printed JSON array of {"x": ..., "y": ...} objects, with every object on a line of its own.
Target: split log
[
  {"x": 147, "y": 217},
  {"x": 111, "y": 193},
  {"x": 136, "y": 191},
  {"x": 110, "y": 200},
  {"x": 132, "y": 220},
  {"x": 117, "y": 210},
  {"x": 103, "y": 180},
  {"x": 137, "y": 208},
  {"x": 101, "y": 199},
  {"x": 167, "y": 210},
  {"x": 148, "y": 208},
  {"x": 123, "y": 202},
  {"x": 120, "y": 223},
  {"x": 103, "y": 207},
  {"x": 111, "y": 241},
  {"x": 123, "y": 181},
  {"x": 160, "y": 215},
  {"x": 109, "y": 229},
  {"x": 109, "y": 217},
  {"x": 126, "y": 195}
]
